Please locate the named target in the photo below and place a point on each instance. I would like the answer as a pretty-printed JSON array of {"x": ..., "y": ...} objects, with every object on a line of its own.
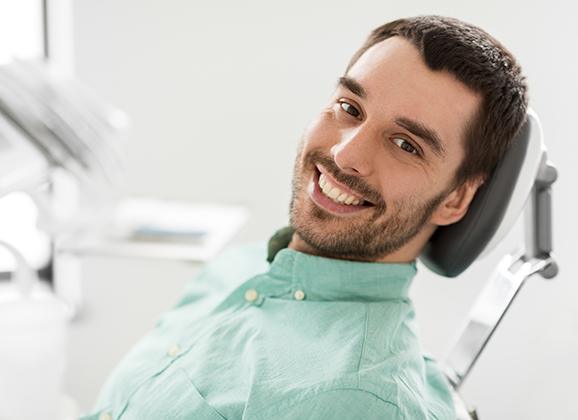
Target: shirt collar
[{"x": 323, "y": 278}]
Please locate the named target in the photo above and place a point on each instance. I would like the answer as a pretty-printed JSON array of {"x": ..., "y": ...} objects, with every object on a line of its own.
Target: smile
[
  {"x": 333, "y": 196},
  {"x": 336, "y": 194}
]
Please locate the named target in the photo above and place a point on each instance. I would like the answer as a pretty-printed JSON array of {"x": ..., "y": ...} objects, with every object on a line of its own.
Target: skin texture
[{"x": 359, "y": 142}]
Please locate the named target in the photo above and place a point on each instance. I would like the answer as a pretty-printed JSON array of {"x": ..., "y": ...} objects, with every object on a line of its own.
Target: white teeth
[
  {"x": 336, "y": 194},
  {"x": 342, "y": 197}
]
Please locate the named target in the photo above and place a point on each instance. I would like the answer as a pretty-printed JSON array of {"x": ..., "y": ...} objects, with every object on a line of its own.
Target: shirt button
[
  {"x": 251, "y": 295},
  {"x": 105, "y": 416},
  {"x": 174, "y": 350},
  {"x": 299, "y": 294}
]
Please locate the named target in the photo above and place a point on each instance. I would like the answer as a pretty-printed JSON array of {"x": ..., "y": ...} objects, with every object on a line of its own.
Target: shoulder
[
  {"x": 225, "y": 272},
  {"x": 242, "y": 260}
]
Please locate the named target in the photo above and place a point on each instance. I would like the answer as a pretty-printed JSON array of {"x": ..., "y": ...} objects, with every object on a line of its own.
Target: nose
[{"x": 353, "y": 153}]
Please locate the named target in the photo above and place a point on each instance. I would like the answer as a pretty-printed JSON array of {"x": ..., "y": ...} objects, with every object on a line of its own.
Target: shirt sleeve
[{"x": 343, "y": 404}]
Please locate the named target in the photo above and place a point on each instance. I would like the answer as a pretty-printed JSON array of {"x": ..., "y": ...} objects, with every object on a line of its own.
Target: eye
[
  {"x": 405, "y": 145},
  {"x": 350, "y": 109}
]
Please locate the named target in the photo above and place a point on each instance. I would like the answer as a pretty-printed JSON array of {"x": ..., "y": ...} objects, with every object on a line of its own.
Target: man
[{"x": 324, "y": 329}]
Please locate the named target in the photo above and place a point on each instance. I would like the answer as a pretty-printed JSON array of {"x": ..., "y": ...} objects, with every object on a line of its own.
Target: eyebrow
[
  {"x": 424, "y": 132},
  {"x": 417, "y": 128},
  {"x": 352, "y": 85}
]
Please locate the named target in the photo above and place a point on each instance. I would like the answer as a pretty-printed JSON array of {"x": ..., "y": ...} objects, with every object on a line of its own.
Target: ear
[{"x": 456, "y": 204}]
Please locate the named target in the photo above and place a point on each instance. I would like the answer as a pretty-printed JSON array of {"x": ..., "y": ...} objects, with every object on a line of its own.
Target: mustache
[{"x": 356, "y": 184}]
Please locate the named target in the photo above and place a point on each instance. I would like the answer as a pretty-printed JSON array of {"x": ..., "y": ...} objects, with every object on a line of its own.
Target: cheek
[{"x": 398, "y": 181}]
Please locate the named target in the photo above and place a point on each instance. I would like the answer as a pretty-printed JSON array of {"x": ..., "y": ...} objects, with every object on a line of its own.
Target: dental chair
[{"x": 520, "y": 182}]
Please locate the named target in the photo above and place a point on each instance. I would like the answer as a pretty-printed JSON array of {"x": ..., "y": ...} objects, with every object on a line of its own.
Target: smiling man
[
  {"x": 321, "y": 325},
  {"x": 376, "y": 173}
]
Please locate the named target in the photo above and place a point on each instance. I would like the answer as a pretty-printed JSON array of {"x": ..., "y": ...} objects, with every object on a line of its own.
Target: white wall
[{"x": 219, "y": 93}]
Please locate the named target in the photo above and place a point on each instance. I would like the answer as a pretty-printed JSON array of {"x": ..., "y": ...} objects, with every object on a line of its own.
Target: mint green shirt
[{"x": 304, "y": 337}]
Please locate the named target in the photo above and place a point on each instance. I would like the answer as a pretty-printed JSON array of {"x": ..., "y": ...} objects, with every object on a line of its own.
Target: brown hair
[{"x": 481, "y": 63}]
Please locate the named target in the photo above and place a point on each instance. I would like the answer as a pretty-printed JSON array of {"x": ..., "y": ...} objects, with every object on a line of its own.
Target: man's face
[{"x": 377, "y": 164}]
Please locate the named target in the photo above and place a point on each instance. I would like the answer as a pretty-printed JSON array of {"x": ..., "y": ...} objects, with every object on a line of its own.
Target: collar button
[
  {"x": 299, "y": 294},
  {"x": 251, "y": 295}
]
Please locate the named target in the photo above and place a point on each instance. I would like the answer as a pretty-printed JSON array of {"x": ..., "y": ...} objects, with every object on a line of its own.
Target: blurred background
[{"x": 218, "y": 94}]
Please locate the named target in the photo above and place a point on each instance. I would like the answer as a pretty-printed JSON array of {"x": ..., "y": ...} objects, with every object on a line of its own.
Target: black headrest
[{"x": 452, "y": 248}]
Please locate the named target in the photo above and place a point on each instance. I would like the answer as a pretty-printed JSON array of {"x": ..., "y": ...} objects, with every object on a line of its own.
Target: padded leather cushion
[{"x": 453, "y": 248}]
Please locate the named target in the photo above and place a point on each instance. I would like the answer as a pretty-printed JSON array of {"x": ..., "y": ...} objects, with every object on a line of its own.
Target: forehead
[{"x": 399, "y": 83}]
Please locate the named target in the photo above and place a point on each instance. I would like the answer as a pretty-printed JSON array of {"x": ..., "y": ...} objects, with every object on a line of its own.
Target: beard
[{"x": 378, "y": 231}]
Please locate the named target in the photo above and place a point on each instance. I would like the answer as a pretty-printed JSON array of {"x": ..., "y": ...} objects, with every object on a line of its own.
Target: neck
[{"x": 406, "y": 254}]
